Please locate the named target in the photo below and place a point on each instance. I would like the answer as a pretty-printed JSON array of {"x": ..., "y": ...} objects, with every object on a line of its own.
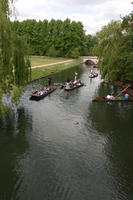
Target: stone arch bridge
[{"x": 90, "y": 60}]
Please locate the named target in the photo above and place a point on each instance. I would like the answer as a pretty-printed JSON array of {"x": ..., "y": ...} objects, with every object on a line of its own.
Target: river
[{"x": 66, "y": 147}]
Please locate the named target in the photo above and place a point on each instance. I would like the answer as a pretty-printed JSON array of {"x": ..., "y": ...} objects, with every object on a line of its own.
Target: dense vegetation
[
  {"x": 56, "y": 38},
  {"x": 115, "y": 49},
  {"x": 14, "y": 66}
]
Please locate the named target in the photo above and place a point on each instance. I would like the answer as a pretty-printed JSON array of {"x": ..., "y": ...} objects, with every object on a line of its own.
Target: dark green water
[{"x": 65, "y": 147}]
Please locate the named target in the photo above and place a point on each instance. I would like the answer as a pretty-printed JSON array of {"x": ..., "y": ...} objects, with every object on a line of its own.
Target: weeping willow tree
[
  {"x": 108, "y": 43},
  {"x": 14, "y": 65},
  {"x": 115, "y": 50}
]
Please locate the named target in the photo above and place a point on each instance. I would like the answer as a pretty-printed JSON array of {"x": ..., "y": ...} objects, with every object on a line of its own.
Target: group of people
[
  {"x": 44, "y": 90},
  {"x": 93, "y": 74},
  {"x": 70, "y": 83},
  {"x": 125, "y": 95}
]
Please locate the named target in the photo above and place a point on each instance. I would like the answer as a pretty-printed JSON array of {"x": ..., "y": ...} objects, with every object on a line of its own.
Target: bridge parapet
[{"x": 90, "y": 59}]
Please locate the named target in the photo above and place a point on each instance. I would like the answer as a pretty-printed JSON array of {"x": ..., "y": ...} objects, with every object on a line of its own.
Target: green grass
[
  {"x": 45, "y": 71},
  {"x": 40, "y": 60}
]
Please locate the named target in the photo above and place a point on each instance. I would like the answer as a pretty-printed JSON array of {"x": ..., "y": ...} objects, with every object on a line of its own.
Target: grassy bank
[
  {"x": 48, "y": 70},
  {"x": 40, "y": 60}
]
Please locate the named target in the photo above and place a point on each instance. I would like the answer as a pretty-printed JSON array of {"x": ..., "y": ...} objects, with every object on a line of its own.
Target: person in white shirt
[
  {"x": 76, "y": 74},
  {"x": 110, "y": 97},
  {"x": 67, "y": 85},
  {"x": 126, "y": 96}
]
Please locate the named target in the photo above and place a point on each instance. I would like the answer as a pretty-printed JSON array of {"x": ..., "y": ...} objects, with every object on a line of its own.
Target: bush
[{"x": 52, "y": 52}]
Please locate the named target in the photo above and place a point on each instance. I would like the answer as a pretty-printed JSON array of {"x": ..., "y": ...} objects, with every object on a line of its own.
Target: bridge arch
[{"x": 90, "y": 60}]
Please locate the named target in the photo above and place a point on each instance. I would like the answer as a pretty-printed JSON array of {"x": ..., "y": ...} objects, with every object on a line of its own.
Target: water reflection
[
  {"x": 113, "y": 123},
  {"x": 13, "y": 148}
]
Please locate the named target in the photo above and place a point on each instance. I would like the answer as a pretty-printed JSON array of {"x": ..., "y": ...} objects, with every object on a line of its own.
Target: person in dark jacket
[{"x": 49, "y": 81}]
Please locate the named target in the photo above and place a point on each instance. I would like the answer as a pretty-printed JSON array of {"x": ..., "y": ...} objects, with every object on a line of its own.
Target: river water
[{"x": 66, "y": 147}]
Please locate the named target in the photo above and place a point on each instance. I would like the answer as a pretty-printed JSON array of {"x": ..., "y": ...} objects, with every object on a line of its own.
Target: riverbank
[
  {"x": 44, "y": 70},
  {"x": 43, "y": 60},
  {"x": 50, "y": 64}
]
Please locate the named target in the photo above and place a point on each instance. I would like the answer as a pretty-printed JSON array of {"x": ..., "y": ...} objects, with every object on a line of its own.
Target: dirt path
[{"x": 50, "y": 64}]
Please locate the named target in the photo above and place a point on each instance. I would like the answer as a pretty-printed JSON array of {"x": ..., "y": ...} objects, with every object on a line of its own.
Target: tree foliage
[
  {"x": 115, "y": 49},
  {"x": 13, "y": 67},
  {"x": 56, "y": 37},
  {"x": 91, "y": 42}
]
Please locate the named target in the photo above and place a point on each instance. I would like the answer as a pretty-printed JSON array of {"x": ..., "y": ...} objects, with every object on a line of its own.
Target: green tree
[
  {"x": 10, "y": 57},
  {"x": 108, "y": 43},
  {"x": 52, "y": 52},
  {"x": 64, "y": 36},
  {"x": 44, "y": 37},
  {"x": 73, "y": 53},
  {"x": 21, "y": 62},
  {"x": 91, "y": 42},
  {"x": 123, "y": 61},
  {"x": 115, "y": 49}
]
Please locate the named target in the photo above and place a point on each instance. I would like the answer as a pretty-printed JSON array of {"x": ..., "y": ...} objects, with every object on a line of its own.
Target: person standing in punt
[
  {"x": 49, "y": 81},
  {"x": 76, "y": 75},
  {"x": 75, "y": 79}
]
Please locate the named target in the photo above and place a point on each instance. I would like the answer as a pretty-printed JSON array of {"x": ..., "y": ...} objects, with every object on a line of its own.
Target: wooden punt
[
  {"x": 74, "y": 87},
  {"x": 34, "y": 95},
  {"x": 103, "y": 99}
]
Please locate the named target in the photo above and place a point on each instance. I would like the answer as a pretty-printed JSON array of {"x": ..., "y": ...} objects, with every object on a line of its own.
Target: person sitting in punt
[
  {"x": 39, "y": 92},
  {"x": 110, "y": 97},
  {"x": 126, "y": 96},
  {"x": 32, "y": 92},
  {"x": 67, "y": 85},
  {"x": 71, "y": 83},
  {"x": 95, "y": 74},
  {"x": 91, "y": 75},
  {"x": 45, "y": 90},
  {"x": 78, "y": 82},
  {"x": 49, "y": 89}
]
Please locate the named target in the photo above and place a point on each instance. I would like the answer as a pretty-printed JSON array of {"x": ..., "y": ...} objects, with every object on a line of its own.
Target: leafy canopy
[
  {"x": 14, "y": 69},
  {"x": 115, "y": 49}
]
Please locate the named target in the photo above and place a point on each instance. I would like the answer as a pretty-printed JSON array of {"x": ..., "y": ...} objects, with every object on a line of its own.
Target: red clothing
[{"x": 126, "y": 91}]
